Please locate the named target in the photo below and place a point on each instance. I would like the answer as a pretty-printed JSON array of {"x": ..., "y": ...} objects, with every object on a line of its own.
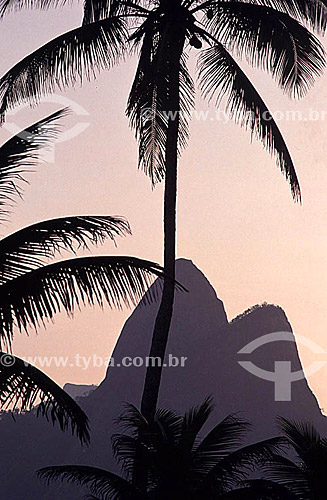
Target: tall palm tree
[
  {"x": 274, "y": 35},
  {"x": 305, "y": 475},
  {"x": 32, "y": 291},
  {"x": 181, "y": 465}
]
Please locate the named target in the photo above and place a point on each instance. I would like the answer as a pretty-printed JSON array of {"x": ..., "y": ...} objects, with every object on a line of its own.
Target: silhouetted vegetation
[
  {"x": 254, "y": 308},
  {"x": 305, "y": 474},
  {"x": 275, "y": 37},
  {"x": 32, "y": 291},
  {"x": 181, "y": 464}
]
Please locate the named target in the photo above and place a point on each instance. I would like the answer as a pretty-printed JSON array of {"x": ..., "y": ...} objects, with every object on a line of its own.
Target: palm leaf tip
[
  {"x": 220, "y": 76},
  {"x": 24, "y": 387},
  {"x": 272, "y": 40},
  {"x": 27, "y": 248},
  {"x": 64, "y": 61},
  {"x": 199, "y": 414},
  {"x": 25, "y": 144},
  {"x": 312, "y": 12},
  {"x": 101, "y": 482},
  {"x": 37, "y": 296},
  {"x": 20, "y": 153},
  {"x": 303, "y": 436},
  {"x": 221, "y": 440},
  {"x": 8, "y": 6}
]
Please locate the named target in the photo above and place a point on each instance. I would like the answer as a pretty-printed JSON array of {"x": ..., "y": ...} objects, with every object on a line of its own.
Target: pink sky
[{"x": 236, "y": 217}]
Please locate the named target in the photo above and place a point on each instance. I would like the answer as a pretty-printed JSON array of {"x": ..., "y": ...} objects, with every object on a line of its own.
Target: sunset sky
[{"x": 236, "y": 217}]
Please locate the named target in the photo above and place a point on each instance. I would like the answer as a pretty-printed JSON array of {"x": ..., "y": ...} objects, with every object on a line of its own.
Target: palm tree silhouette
[
  {"x": 304, "y": 476},
  {"x": 272, "y": 35},
  {"x": 180, "y": 464},
  {"x": 32, "y": 291}
]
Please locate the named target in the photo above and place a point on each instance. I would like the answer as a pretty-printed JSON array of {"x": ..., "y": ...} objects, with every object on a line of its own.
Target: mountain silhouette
[{"x": 202, "y": 334}]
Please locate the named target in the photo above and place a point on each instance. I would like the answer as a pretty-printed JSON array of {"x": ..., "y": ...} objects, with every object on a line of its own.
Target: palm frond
[
  {"x": 96, "y": 10},
  {"x": 221, "y": 76},
  {"x": 193, "y": 422},
  {"x": 187, "y": 93},
  {"x": 22, "y": 386},
  {"x": 303, "y": 436},
  {"x": 311, "y": 451},
  {"x": 271, "y": 40},
  {"x": 8, "y": 6},
  {"x": 99, "y": 481},
  {"x": 169, "y": 423},
  {"x": 129, "y": 451},
  {"x": 26, "y": 249},
  {"x": 148, "y": 105},
  {"x": 235, "y": 467},
  {"x": 39, "y": 294},
  {"x": 148, "y": 441},
  {"x": 166, "y": 421},
  {"x": 20, "y": 154},
  {"x": 284, "y": 471},
  {"x": 219, "y": 443},
  {"x": 64, "y": 61},
  {"x": 124, "y": 446},
  {"x": 131, "y": 419},
  {"x": 312, "y": 12}
]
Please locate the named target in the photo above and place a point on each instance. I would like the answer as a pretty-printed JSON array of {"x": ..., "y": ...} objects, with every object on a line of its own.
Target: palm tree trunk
[{"x": 164, "y": 316}]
